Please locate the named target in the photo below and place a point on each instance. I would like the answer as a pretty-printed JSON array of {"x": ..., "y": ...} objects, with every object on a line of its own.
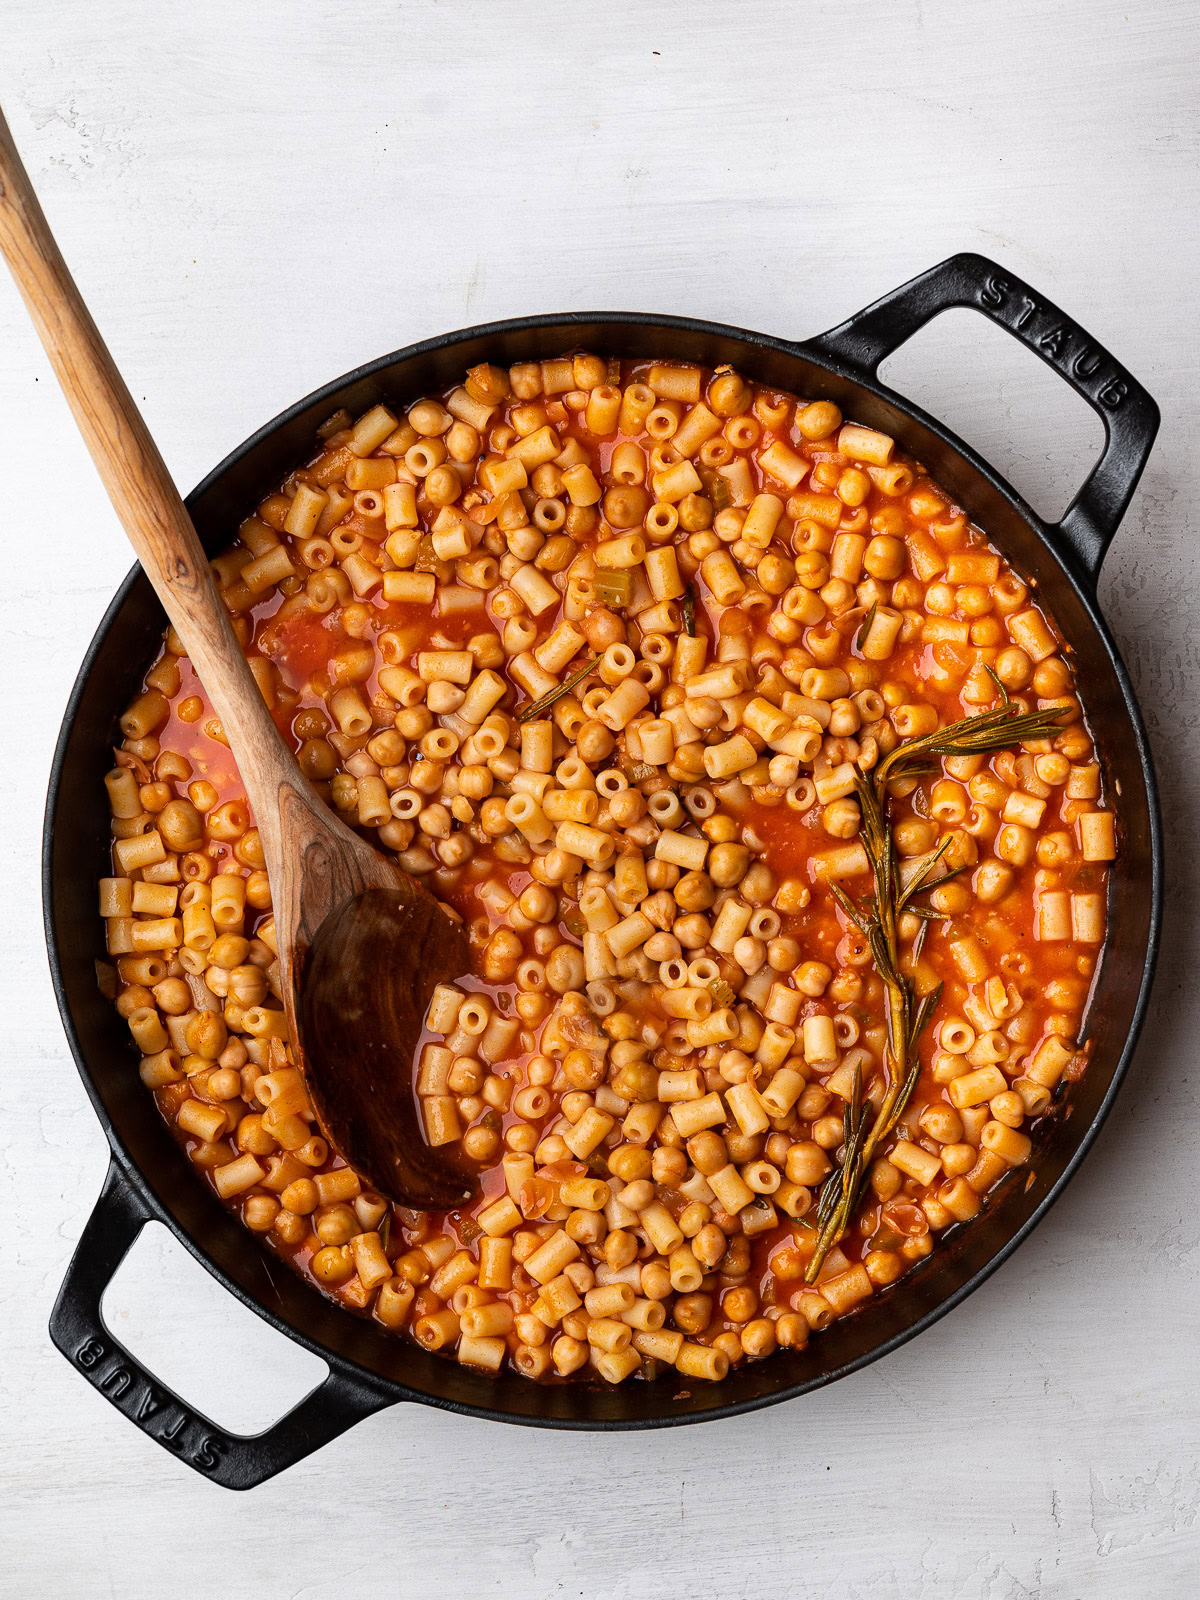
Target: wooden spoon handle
[{"x": 138, "y": 483}]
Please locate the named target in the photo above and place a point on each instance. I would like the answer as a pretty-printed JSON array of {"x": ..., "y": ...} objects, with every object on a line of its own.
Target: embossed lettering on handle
[
  {"x": 132, "y": 1392},
  {"x": 236, "y": 1462},
  {"x": 1062, "y": 344},
  {"x": 1130, "y": 417}
]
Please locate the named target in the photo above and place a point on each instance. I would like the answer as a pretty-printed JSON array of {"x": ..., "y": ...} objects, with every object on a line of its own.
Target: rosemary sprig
[
  {"x": 878, "y": 920},
  {"x": 536, "y": 707}
]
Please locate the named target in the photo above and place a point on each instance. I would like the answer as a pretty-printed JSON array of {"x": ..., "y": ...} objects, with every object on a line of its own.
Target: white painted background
[{"x": 258, "y": 196}]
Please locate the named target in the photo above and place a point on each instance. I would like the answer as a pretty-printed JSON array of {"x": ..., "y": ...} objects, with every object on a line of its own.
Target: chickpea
[
  {"x": 336, "y": 1224},
  {"x": 750, "y": 953},
  {"x": 942, "y": 1123},
  {"x": 782, "y": 954},
  {"x": 791, "y": 1330},
  {"x": 594, "y": 742},
  {"x": 258, "y": 891},
  {"x": 1008, "y": 1108},
  {"x": 708, "y": 1246},
  {"x": 915, "y": 836},
  {"x": 759, "y": 884},
  {"x": 602, "y": 627},
  {"x": 454, "y": 851},
  {"x": 951, "y": 898},
  {"x": 739, "y": 1304},
  {"x": 585, "y": 1227},
  {"x": 480, "y": 1143},
  {"x": 729, "y": 395},
  {"x": 564, "y": 968},
  {"x": 720, "y": 829},
  {"x": 693, "y": 1218},
  {"x": 300, "y": 1197},
  {"x": 812, "y": 978},
  {"x": 290, "y": 1228},
  {"x": 806, "y": 1162},
  {"x": 172, "y": 997},
  {"x": 229, "y": 951},
  {"x": 841, "y": 818},
  {"x": 502, "y": 956},
  {"x": 538, "y": 903},
  {"x": 692, "y": 1313},
  {"x": 695, "y": 891},
  {"x": 845, "y": 987},
  {"x": 883, "y": 1266},
  {"x": 332, "y": 1265},
  {"x": 136, "y": 997},
  {"x": 224, "y": 1084},
  {"x": 828, "y": 1132},
  {"x": 247, "y": 985},
  {"x": 759, "y": 1338},
  {"x": 992, "y": 881},
  {"x": 466, "y": 1075},
  {"x": 1066, "y": 993},
  {"x": 1052, "y": 677},
  {"x": 853, "y": 487},
  {"x": 704, "y": 712},
  {"x": 625, "y": 505},
  {"x": 735, "y": 1263},
  {"x": 885, "y": 557},
  {"x": 656, "y": 1281},
  {"x": 775, "y": 573},
  {"x": 1014, "y": 668},
  {"x": 958, "y": 1158},
  {"x": 235, "y": 1055},
  {"x": 206, "y": 1034},
  {"x": 181, "y": 826},
  {"x": 693, "y": 932},
  {"x": 728, "y": 864},
  {"x": 886, "y": 1180},
  {"x": 818, "y": 420},
  {"x": 627, "y": 807},
  {"x": 620, "y": 1249},
  {"x": 662, "y": 874},
  {"x": 318, "y": 760},
  {"x": 668, "y": 1167},
  {"x": 414, "y": 722},
  {"x": 583, "y": 1070}
]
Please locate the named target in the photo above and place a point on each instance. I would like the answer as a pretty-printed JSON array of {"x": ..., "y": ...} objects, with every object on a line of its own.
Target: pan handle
[
  {"x": 233, "y": 1460},
  {"x": 1129, "y": 415}
]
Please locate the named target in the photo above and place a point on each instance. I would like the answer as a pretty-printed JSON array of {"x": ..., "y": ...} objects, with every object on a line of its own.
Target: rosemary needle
[{"x": 536, "y": 707}]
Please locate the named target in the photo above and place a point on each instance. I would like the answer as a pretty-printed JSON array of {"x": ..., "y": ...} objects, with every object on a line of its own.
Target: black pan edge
[{"x": 502, "y": 333}]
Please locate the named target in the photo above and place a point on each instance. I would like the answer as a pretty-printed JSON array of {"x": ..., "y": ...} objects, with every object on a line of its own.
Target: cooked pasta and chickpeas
[{"x": 606, "y": 653}]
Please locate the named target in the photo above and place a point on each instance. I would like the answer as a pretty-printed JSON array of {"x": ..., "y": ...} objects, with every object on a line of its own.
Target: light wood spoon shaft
[
  {"x": 139, "y": 485},
  {"x": 387, "y": 940}
]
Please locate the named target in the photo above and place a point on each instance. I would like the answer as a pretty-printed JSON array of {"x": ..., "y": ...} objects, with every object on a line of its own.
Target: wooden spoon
[{"x": 361, "y": 942}]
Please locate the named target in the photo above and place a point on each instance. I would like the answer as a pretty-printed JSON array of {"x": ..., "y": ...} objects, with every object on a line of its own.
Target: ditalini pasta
[{"x": 612, "y": 654}]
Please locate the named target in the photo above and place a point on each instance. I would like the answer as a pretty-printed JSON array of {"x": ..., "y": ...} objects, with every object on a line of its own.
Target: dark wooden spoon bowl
[
  {"x": 367, "y": 979},
  {"x": 373, "y": 973}
]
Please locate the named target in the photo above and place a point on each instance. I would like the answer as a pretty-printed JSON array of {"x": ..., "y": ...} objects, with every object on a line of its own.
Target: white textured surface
[{"x": 257, "y": 197}]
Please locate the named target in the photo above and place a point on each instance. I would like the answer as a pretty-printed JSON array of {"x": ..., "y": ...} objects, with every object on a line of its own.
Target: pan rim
[{"x": 1044, "y": 533}]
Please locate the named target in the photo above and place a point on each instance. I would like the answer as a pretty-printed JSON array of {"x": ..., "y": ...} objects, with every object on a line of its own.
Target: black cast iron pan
[{"x": 149, "y": 1178}]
